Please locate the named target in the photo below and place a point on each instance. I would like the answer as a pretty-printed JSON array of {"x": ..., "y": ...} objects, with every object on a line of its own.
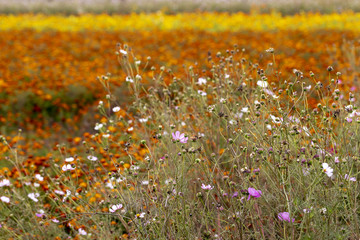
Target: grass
[{"x": 256, "y": 156}]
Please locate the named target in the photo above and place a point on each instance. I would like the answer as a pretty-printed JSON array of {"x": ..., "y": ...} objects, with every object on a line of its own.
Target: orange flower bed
[{"x": 49, "y": 78}]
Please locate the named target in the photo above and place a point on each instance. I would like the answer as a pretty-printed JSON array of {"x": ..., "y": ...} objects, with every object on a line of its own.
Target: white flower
[
  {"x": 245, "y": 110},
  {"x": 275, "y": 119},
  {"x": 59, "y": 192},
  {"x": 129, "y": 79},
  {"x": 92, "y": 158},
  {"x": 268, "y": 127},
  {"x": 34, "y": 196},
  {"x": 115, "y": 207},
  {"x": 5, "y": 199},
  {"x": 39, "y": 177},
  {"x": 5, "y": 182},
  {"x": 143, "y": 120},
  {"x": 109, "y": 184},
  {"x": 138, "y": 62},
  {"x": 123, "y": 52},
  {"x": 206, "y": 187},
  {"x": 106, "y": 135},
  {"x": 67, "y": 167},
  {"x": 328, "y": 170},
  {"x": 36, "y": 185},
  {"x": 227, "y": 76},
  {"x": 98, "y": 126},
  {"x": 201, "y": 81},
  {"x": 82, "y": 232},
  {"x": 202, "y": 93},
  {"x": 141, "y": 215},
  {"x": 55, "y": 220},
  {"x": 69, "y": 159},
  {"x": 116, "y": 109},
  {"x": 130, "y": 129},
  {"x": 262, "y": 84},
  {"x": 145, "y": 182},
  {"x": 232, "y": 122},
  {"x": 222, "y": 100}
]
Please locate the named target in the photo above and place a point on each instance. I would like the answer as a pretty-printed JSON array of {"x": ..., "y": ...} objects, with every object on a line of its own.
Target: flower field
[{"x": 185, "y": 126}]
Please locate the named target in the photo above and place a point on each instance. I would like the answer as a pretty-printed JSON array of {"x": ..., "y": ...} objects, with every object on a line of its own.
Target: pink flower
[
  {"x": 206, "y": 187},
  {"x": 285, "y": 216},
  {"x": 347, "y": 177},
  {"x": 254, "y": 193},
  {"x": 179, "y": 136}
]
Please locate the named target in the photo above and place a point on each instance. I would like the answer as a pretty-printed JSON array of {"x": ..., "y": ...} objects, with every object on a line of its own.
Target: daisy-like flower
[
  {"x": 285, "y": 216},
  {"x": 202, "y": 93},
  {"x": 254, "y": 193},
  {"x": 67, "y": 167},
  {"x": 145, "y": 182},
  {"x": 55, "y": 220},
  {"x": 129, "y": 79},
  {"x": 201, "y": 81},
  {"x": 92, "y": 158},
  {"x": 5, "y": 199},
  {"x": 245, "y": 110},
  {"x": 82, "y": 232},
  {"x": 275, "y": 119},
  {"x": 262, "y": 84},
  {"x": 34, "y": 196},
  {"x": 116, "y": 109},
  {"x": 130, "y": 129},
  {"x": 124, "y": 53},
  {"x": 5, "y": 182},
  {"x": 115, "y": 207},
  {"x": 98, "y": 126},
  {"x": 206, "y": 187},
  {"x": 69, "y": 159},
  {"x": 326, "y": 169},
  {"x": 106, "y": 135},
  {"x": 59, "y": 192},
  {"x": 40, "y": 214},
  {"x": 141, "y": 215},
  {"x": 179, "y": 137},
  {"x": 143, "y": 120},
  {"x": 39, "y": 177}
]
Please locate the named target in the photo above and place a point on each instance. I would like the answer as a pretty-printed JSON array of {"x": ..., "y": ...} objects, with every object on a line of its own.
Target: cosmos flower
[
  {"x": 92, "y": 158},
  {"x": 116, "y": 109},
  {"x": 5, "y": 199},
  {"x": 328, "y": 170},
  {"x": 347, "y": 177},
  {"x": 262, "y": 84},
  {"x": 202, "y": 93},
  {"x": 69, "y": 159},
  {"x": 177, "y": 136},
  {"x": 34, "y": 196},
  {"x": 206, "y": 187},
  {"x": 201, "y": 81},
  {"x": 254, "y": 193},
  {"x": 115, "y": 207},
  {"x": 5, "y": 182},
  {"x": 285, "y": 216},
  {"x": 67, "y": 167},
  {"x": 82, "y": 232}
]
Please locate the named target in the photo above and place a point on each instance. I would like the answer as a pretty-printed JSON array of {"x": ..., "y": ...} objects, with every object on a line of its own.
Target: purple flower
[
  {"x": 285, "y": 216},
  {"x": 235, "y": 194},
  {"x": 254, "y": 193},
  {"x": 347, "y": 177},
  {"x": 179, "y": 136}
]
